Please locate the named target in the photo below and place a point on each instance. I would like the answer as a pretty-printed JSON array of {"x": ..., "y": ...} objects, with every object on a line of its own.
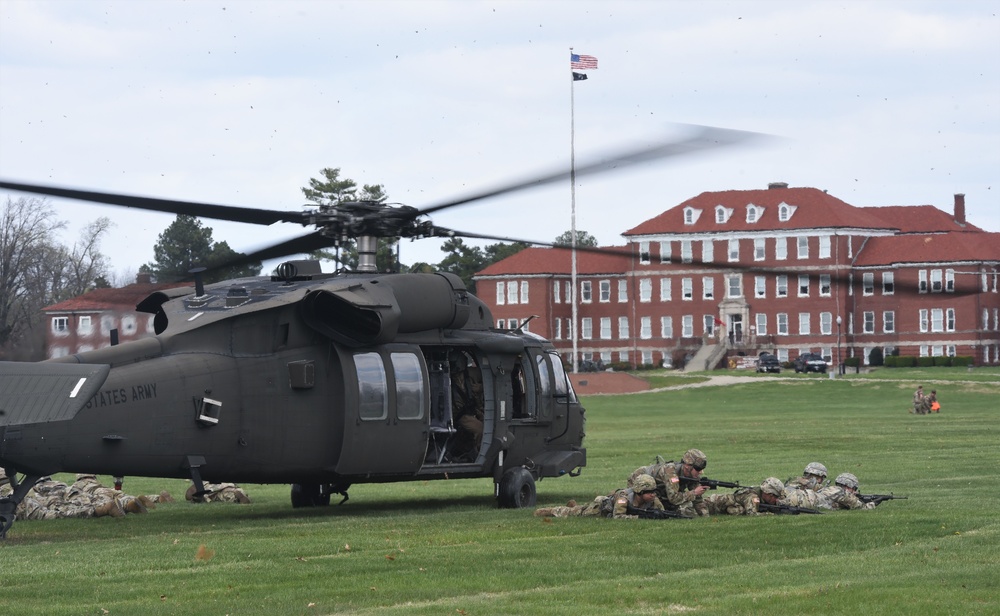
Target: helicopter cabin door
[{"x": 386, "y": 412}]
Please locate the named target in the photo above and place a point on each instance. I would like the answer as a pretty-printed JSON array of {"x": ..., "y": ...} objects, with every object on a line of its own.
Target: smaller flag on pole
[
  {"x": 579, "y": 77},
  {"x": 579, "y": 62}
]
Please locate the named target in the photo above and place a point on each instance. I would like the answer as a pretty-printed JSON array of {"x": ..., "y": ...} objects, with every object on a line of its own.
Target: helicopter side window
[
  {"x": 409, "y": 386},
  {"x": 372, "y": 399}
]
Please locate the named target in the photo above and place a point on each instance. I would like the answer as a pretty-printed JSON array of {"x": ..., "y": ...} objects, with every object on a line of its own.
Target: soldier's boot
[
  {"x": 165, "y": 497},
  {"x": 146, "y": 501},
  {"x": 544, "y": 512},
  {"x": 112, "y": 508},
  {"x": 242, "y": 498},
  {"x": 133, "y": 505}
]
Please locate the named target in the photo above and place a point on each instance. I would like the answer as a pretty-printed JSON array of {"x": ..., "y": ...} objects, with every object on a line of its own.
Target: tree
[
  {"x": 185, "y": 245},
  {"x": 333, "y": 190},
  {"x": 500, "y": 251},
  {"x": 582, "y": 239}
]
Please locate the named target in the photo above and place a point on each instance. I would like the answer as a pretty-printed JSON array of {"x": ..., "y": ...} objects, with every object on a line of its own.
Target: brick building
[
  {"x": 787, "y": 270},
  {"x": 85, "y": 322}
]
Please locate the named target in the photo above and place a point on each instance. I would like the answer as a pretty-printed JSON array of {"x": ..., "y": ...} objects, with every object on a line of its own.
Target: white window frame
[
  {"x": 666, "y": 327},
  {"x": 888, "y": 283},
  {"x": 734, "y": 285},
  {"x": 645, "y": 290},
  {"x": 665, "y": 253},
  {"x": 937, "y": 320},
  {"x": 708, "y": 287},
  {"x": 781, "y": 324},
  {"x": 707, "y": 251},
  {"x": 803, "y": 284},
  {"x": 761, "y": 324},
  {"x": 644, "y": 253},
  {"x": 512, "y": 287},
  {"x": 586, "y": 292},
  {"x": 604, "y": 291},
  {"x": 734, "y": 250},
  {"x": 556, "y": 295},
  {"x": 924, "y": 320},
  {"x": 949, "y": 319},
  {"x": 922, "y": 281},
  {"x": 687, "y": 326},
  {"x": 622, "y": 291},
  {"x": 605, "y": 328},
  {"x": 824, "y": 247},
  {"x": 780, "y": 248},
  {"x": 888, "y": 321},
  {"x": 805, "y": 324},
  {"x": 586, "y": 328},
  {"x": 501, "y": 293},
  {"x": 646, "y": 328},
  {"x": 868, "y": 322},
  {"x": 665, "y": 290},
  {"x": 759, "y": 249},
  {"x": 623, "y": 329},
  {"x": 524, "y": 291},
  {"x": 687, "y": 289},
  {"x": 937, "y": 281},
  {"x": 760, "y": 286},
  {"x": 825, "y": 323},
  {"x": 868, "y": 284},
  {"x": 781, "y": 285},
  {"x": 802, "y": 246},
  {"x": 687, "y": 252}
]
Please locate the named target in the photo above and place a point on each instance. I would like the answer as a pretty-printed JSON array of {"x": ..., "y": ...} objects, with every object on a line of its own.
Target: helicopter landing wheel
[
  {"x": 517, "y": 489},
  {"x": 309, "y": 495}
]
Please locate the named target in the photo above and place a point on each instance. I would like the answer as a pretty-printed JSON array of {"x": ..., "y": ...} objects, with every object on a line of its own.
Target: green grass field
[{"x": 442, "y": 548}]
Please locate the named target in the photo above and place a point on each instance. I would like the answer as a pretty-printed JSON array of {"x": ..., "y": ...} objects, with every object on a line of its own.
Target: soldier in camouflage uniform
[
  {"x": 87, "y": 485},
  {"x": 746, "y": 501},
  {"x": 677, "y": 482},
  {"x": 842, "y": 495},
  {"x": 47, "y": 500},
  {"x": 813, "y": 478},
  {"x": 641, "y": 495},
  {"x": 218, "y": 492}
]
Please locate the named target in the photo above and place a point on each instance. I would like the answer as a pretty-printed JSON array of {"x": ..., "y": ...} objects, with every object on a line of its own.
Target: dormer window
[
  {"x": 691, "y": 215},
  {"x": 785, "y": 212},
  {"x": 754, "y": 212},
  {"x": 722, "y": 214}
]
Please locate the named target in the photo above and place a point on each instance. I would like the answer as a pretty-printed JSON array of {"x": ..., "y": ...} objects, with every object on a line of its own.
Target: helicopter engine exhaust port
[{"x": 375, "y": 310}]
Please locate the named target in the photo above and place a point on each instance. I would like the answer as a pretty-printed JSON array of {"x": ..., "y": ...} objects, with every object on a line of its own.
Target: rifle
[
  {"x": 878, "y": 499},
  {"x": 764, "y": 507},
  {"x": 654, "y": 514},
  {"x": 712, "y": 484}
]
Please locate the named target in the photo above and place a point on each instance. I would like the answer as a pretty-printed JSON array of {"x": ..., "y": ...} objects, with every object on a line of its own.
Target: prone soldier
[
  {"x": 843, "y": 494},
  {"x": 640, "y": 495},
  {"x": 677, "y": 484}
]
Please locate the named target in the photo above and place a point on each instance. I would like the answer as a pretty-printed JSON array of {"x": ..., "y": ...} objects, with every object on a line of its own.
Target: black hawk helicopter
[{"x": 309, "y": 378}]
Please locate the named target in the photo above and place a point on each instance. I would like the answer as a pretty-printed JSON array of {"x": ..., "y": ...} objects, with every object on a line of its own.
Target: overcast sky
[{"x": 241, "y": 103}]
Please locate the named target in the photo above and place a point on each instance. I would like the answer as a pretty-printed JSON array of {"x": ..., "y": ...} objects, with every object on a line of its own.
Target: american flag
[{"x": 581, "y": 63}]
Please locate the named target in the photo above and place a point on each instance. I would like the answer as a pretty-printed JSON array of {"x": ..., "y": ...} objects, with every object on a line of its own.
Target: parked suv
[
  {"x": 810, "y": 362},
  {"x": 768, "y": 363}
]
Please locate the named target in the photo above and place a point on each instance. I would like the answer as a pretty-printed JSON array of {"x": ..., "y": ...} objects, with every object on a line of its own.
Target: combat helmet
[
  {"x": 772, "y": 485},
  {"x": 644, "y": 483},
  {"x": 696, "y": 458},
  {"x": 815, "y": 468},
  {"x": 847, "y": 480}
]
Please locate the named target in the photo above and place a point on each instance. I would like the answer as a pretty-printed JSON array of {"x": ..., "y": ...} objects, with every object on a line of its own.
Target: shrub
[
  {"x": 925, "y": 362},
  {"x": 620, "y": 366},
  {"x": 891, "y": 361},
  {"x": 906, "y": 361},
  {"x": 942, "y": 360},
  {"x": 852, "y": 362},
  {"x": 961, "y": 360}
]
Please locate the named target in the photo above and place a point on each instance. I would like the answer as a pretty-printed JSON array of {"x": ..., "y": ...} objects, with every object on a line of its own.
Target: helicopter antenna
[{"x": 199, "y": 283}]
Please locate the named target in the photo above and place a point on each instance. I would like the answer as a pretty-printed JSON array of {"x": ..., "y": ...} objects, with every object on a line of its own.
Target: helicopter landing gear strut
[
  {"x": 317, "y": 494},
  {"x": 8, "y": 504}
]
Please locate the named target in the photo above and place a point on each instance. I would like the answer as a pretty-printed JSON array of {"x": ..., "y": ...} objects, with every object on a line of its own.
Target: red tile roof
[
  {"x": 110, "y": 299},
  {"x": 534, "y": 261},
  {"x": 919, "y": 219},
  {"x": 814, "y": 208},
  {"x": 930, "y": 248}
]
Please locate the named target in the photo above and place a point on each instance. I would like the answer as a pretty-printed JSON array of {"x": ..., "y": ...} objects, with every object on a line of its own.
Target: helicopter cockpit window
[
  {"x": 544, "y": 376},
  {"x": 409, "y": 386},
  {"x": 562, "y": 384},
  {"x": 372, "y": 400}
]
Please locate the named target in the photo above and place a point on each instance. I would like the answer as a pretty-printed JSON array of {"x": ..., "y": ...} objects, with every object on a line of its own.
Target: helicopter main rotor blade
[
  {"x": 706, "y": 138},
  {"x": 187, "y": 208}
]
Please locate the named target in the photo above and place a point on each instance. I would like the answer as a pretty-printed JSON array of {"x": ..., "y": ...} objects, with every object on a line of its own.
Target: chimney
[
  {"x": 960, "y": 208},
  {"x": 143, "y": 278},
  {"x": 776, "y": 185}
]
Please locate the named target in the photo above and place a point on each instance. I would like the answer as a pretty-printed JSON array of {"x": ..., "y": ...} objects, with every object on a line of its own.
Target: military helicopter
[{"x": 314, "y": 379}]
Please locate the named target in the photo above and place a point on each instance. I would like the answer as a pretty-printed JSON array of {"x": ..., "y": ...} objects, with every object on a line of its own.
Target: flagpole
[{"x": 572, "y": 199}]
